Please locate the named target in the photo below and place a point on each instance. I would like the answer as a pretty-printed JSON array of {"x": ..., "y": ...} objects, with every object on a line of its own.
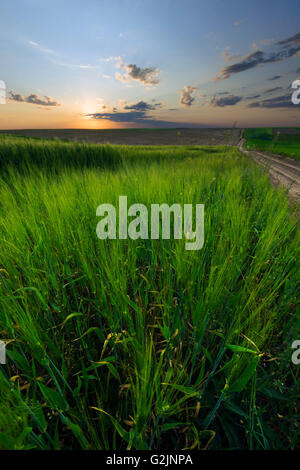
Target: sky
[{"x": 99, "y": 64}]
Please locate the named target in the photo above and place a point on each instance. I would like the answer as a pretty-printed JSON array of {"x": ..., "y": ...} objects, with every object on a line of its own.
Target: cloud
[
  {"x": 276, "y": 77},
  {"x": 148, "y": 76},
  {"x": 272, "y": 90},
  {"x": 128, "y": 116},
  {"x": 143, "y": 106},
  {"x": 289, "y": 47},
  {"x": 74, "y": 66},
  {"x": 248, "y": 62},
  {"x": 187, "y": 97},
  {"x": 139, "y": 119},
  {"x": 291, "y": 41},
  {"x": 41, "y": 48},
  {"x": 131, "y": 113},
  {"x": 57, "y": 60},
  {"x": 268, "y": 101},
  {"x": 230, "y": 100},
  {"x": 138, "y": 115},
  {"x": 252, "y": 97},
  {"x": 87, "y": 66},
  {"x": 33, "y": 98},
  {"x": 283, "y": 101}
]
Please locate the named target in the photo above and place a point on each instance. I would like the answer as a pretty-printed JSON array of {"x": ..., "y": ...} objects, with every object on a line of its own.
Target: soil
[{"x": 180, "y": 136}]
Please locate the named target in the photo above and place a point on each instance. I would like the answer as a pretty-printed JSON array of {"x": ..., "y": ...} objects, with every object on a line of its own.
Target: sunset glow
[{"x": 234, "y": 67}]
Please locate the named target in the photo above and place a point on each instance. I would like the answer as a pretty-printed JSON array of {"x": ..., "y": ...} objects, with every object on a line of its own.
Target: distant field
[
  {"x": 139, "y": 136},
  {"x": 279, "y": 141},
  {"x": 140, "y": 344}
]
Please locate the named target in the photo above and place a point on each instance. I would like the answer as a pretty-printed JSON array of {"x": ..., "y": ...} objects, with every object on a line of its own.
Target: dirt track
[{"x": 281, "y": 170}]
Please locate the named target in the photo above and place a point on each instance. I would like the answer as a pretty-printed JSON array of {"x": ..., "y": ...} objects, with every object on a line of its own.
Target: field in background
[
  {"x": 138, "y": 136},
  {"x": 142, "y": 344},
  {"x": 279, "y": 141}
]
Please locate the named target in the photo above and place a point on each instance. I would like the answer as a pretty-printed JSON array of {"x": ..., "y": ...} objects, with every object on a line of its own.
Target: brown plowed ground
[{"x": 180, "y": 136}]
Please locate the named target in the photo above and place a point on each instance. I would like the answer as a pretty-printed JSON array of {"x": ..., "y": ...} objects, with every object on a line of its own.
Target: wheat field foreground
[{"x": 140, "y": 344}]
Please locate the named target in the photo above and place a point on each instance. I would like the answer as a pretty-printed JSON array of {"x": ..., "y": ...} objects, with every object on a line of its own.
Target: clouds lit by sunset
[{"x": 142, "y": 63}]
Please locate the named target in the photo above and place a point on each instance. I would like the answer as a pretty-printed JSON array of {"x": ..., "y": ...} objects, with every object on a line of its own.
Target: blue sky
[{"x": 140, "y": 63}]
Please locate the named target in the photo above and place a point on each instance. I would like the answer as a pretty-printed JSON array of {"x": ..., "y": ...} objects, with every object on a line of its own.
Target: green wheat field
[
  {"x": 141, "y": 344},
  {"x": 284, "y": 141}
]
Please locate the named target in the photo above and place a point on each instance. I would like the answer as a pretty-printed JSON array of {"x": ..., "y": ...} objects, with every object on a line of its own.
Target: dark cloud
[
  {"x": 127, "y": 116},
  {"x": 230, "y": 100},
  {"x": 139, "y": 114},
  {"x": 291, "y": 41},
  {"x": 143, "y": 106},
  {"x": 16, "y": 97},
  {"x": 272, "y": 90},
  {"x": 283, "y": 101},
  {"x": 276, "y": 77},
  {"x": 148, "y": 76},
  {"x": 249, "y": 62},
  {"x": 33, "y": 98},
  {"x": 187, "y": 97},
  {"x": 289, "y": 47},
  {"x": 139, "y": 119},
  {"x": 252, "y": 97},
  {"x": 136, "y": 113}
]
